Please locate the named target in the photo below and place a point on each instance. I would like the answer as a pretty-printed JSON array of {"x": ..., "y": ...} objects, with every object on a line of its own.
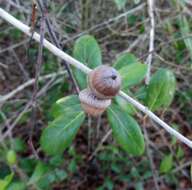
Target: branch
[
  {"x": 151, "y": 38},
  {"x": 86, "y": 70},
  {"x": 28, "y": 83},
  {"x": 99, "y": 26},
  {"x": 56, "y": 42},
  {"x": 36, "y": 84},
  {"x": 39, "y": 56}
]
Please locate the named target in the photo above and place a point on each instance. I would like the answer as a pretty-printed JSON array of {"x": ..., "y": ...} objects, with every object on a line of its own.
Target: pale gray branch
[{"x": 151, "y": 38}]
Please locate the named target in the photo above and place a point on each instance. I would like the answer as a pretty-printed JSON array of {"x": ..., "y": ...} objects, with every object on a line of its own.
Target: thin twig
[
  {"x": 164, "y": 44},
  {"x": 150, "y": 114},
  {"x": 155, "y": 178},
  {"x": 26, "y": 109},
  {"x": 56, "y": 42},
  {"x": 86, "y": 70},
  {"x": 27, "y": 84},
  {"x": 107, "y": 22},
  {"x": 36, "y": 84},
  {"x": 4, "y": 66},
  {"x": 11, "y": 127},
  {"x": 151, "y": 39},
  {"x": 98, "y": 127},
  {"x": 13, "y": 46},
  {"x": 89, "y": 136},
  {"x": 21, "y": 67},
  {"x": 40, "y": 56},
  {"x": 100, "y": 144}
]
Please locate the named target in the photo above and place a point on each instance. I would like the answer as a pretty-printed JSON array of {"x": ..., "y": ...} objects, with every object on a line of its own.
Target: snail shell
[
  {"x": 104, "y": 81},
  {"x": 91, "y": 104}
]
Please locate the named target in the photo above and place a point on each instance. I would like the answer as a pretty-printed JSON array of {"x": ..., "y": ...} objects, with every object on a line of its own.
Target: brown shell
[
  {"x": 92, "y": 110},
  {"x": 91, "y": 104},
  {"x": 104, "y": 81}
]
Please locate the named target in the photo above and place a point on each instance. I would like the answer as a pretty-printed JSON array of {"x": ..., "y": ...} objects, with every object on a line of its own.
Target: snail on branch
[{"x": 104, "y": 83}]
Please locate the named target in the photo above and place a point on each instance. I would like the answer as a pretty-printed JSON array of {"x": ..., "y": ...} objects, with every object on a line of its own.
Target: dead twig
[
  {"x": 30, "y": 82},
  {"x": 155, "y": 177},
  {"x": 151, "y": 39},
  {"x": 56, "y": 42}
]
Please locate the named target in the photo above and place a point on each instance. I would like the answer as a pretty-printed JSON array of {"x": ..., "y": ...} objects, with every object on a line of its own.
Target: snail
[
  {"x": 91, "y": 104},
  {"x": 104, "y": 83}
]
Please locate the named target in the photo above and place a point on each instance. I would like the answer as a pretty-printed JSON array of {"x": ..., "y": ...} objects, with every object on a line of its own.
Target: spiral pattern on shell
[
  {"x": 103, "y": 83},
  {"x": 91, "y": 104}
]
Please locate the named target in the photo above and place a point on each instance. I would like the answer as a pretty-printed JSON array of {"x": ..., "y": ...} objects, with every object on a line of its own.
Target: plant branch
[
  {"x": 28, "y": 83},
  {"x": 151, "y": 39},
  {"x": 105, "y": 137},
  {"x": 149, "y": 154},
  {"x": 99, "y": 26},
  {"x": 55, "y": 41},
  {"x": 86, "y": 70},
  {"x": 36, "y": 84}
]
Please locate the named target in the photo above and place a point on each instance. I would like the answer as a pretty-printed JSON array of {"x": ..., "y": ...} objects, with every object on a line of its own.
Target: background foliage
[{"x": 71, "y": 153}]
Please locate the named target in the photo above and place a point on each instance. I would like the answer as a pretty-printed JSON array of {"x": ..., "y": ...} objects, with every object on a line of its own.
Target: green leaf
[
  {"x": 56, "y": 160},
  {"x": 132, "y": 74},
  {"x": 66, "y": 105},
  {"x": 61, "y": 132},
  {"x": 120, "y": 4},
  {"x": 139, "y": 186},
  {"x": 124, "y": 60},
  {"x": 40, "y": 170},
  {"x": 60, "y": 174},
  {"x": 166, "y": 164},
  {"x": 161, "y": 89},
  {"x": 17, "y": 186},
  {"x": 11, "y": 157},
  {"x": 125, "y": 106},
  {"x": 141, "y": 93},
  {"x": 72, "y": 167},
  {"x": 173, "y": 138},
  {"x": 87, "y": 51},
  {"x": 6, "y": 181},
  {"x": 185, "y": 30},
  {"x": 126, "y": 131},
  {"x": 27, "y": 164},
  {"x": 180, "y": 153},
  {"x": 109, "y": 184},
  {"x": 19, "y": 145}
]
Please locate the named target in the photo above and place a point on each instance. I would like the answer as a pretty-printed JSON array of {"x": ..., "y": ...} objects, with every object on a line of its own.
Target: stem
[
  {"x": 156, "y": 119},
  {"x": 151, "y": 39},
  {"x": 56, "y": 51},
  {"x": 29, "y": 83},
  {"x": 36, "y": 84},
  {"x": 86, "y": 70},
  {"x": 55, "y": 41}
]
